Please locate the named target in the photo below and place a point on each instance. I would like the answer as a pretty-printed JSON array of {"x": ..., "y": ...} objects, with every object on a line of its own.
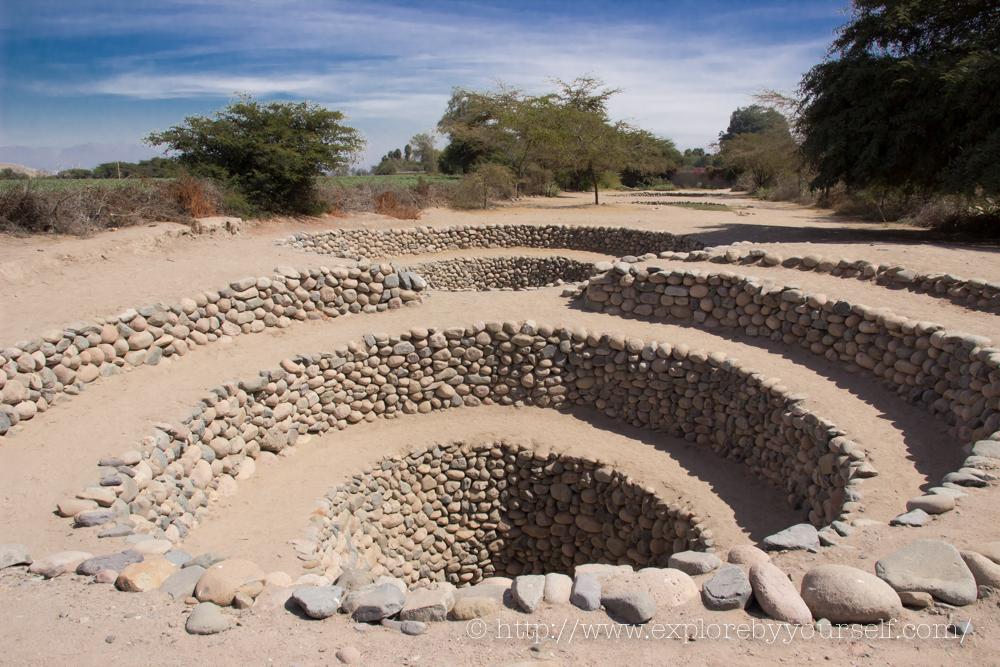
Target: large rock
[
  {"x": 843, "y": 594},
  {"x": 14, "y": 554},
  {"x": 799, "y": 536},
  {"x": 557, "y": 588},
  {"x": 627, "y": 601},
  {"x": 148, "y": 575},
  {"x": 116, "y": 562},
  {"x": 777, "y": 596},
  {"x": 374, "y": 603},
  {"x": 729, "y": 588},
  {"x": 668, "y": 586},
  {"x": 694, "y": 562},
  {"x": 930, "y": 566},
  {"x": 747, "y": 554},
  {"x": 984, "y": 571},
  {"x": 58, "y": 563},
  {"x": 222, "y": 581},
  {"x": 989, "y": 549},
  {"x": 207, "y": 619},
  {"x": 318, "y": 601},
  {"x": 586, "y": 593},
  {"x": 527, "y": 591},
  {"x": 180, "y": 584},
  {"x": 428, "y": 604}
]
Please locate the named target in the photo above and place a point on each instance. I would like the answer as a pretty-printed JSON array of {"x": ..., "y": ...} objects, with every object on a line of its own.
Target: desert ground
[{"x": 47, "y": 283}]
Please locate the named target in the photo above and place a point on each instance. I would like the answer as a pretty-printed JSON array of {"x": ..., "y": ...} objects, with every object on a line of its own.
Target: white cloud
[{"x": 393, "y": 70}]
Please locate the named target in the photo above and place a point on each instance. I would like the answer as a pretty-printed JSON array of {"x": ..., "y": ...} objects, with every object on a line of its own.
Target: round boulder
[
  {"x": 222, "y": 581},
  {"x": 844, "y": 594}
]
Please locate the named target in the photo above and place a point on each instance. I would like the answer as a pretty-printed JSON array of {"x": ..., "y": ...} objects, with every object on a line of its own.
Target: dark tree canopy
[
  {"x": 909, "y": 97},
  {"x": 753, "y": 120},
  {"x": 272, "y": 152}
]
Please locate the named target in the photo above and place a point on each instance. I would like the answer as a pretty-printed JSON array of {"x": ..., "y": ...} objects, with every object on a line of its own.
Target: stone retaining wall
[
  {"x": 35, "y": 373},
  {"x": 953, "y": 375},
  {"x": 167, "y": 482},
  {"x": 505, "y": 273},
  {"x": 969, "y": 292},
  {"x": 357, "y": 243},
  {"x": 464, "y": 512}
]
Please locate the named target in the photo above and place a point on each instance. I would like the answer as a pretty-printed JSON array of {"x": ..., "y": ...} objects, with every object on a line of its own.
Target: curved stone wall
[
  {"x": 969, "y": 292},
  {"x": 505, "y": 273},
  {"x": 953, "y": 375},
  {"x": 358, "y": 243},
  {"x": 37, "y": 372},
  {"x": 168, "y": 480},
  {"x": 463, "y": 512}
]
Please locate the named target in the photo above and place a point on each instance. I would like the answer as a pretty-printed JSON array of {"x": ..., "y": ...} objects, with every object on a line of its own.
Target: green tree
[
  {"x": 407, "y": 152},
  {"x": 753, "y": 119},
  {"x": 764, "y": 156},
  {"x": 424, "y": 151},
  {"x": 908, "y": 98},
  {"x": 272, "y": 152}
]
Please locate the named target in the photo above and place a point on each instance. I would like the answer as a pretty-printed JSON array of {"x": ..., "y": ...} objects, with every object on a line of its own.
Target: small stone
[
  {"x": 799, "y": 536},
  {"x": 916, "y": 599},
  {"x": 206, "y": 619},
  {"x": 627, "y": 605},
  {"x": 729, "y": 588},
  {"x": 747, "y": 554},
  {"x": 527, "y": 591},
  {"x": 116, "y": 562},
  {"x": 913, "y": 518},
  {"x": 349, "y": 655},
  {"x": 428, "y": 604},
  {"x": 58, "y": 563},
  {"x": 777, "y": 596},
  {"x": 318, "y": 601},
  {"x": 586, "y": 593},
  {"x": 14, "y": 554},
  {"x": 180, "y": 584},
  {"x": 694, "y": 562},
  {"x": 375, "y": 603},
  {"x": 106, "y": 577},
  {"x": 145, "y": 576},
  {"x": 474, "y": 606},
  {"x": 984, "y": 571},
  {"x": 932, "y": 504},
  {"x": 413, "y": 628}
]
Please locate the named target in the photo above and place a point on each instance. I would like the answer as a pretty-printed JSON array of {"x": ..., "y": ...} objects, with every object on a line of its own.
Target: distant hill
[{"x": 20, "y": 168}]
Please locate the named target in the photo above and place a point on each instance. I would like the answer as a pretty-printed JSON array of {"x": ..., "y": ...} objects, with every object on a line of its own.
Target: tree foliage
[
  {"x": 909, "y": 97},
  {"x": 272, "y": 152},
  {"x": 752, "y": 120}
]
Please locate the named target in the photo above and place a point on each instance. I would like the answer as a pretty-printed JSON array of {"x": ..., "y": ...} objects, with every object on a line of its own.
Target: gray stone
[
  {"x": 586, "y": 593},
  {"x": 527, "y": 591},
  {"x": 375, "y": 603},
  {"x": 428, "y": 604},
  {"x": 987, "y": 448},
  {"x": 207, "y": 619},
  {"x": 629, "y": 605},
  {"x": 58, "y": 563},
  {"x": 14, "y": 554},
  {"x": 799, "y": 536},
  {"x": 89, "y": 518},
  {"x": 319, "y": 601},
  {"x": 913, "y": 518},
  {"x": 930, "y": 566},
  {"x": 117, "y": 562},
  {"x": 180, "y": 584},
  {"x": 777, "y": 596},
  {"x": 178, "y": 557},
  {"x": 117, "y": 530},
  {"x": 729, "y": 588},
  {"x": 205, "y": 560},
  {"x": 931, "y": 503},
  {"x": 412, "y": 628},
  {"x": 694, "y": 562},
  {"x": 961, "y": 628}
]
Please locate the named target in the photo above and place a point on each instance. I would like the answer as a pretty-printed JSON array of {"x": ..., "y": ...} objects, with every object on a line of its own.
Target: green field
[{"x": 62, "y": 184}]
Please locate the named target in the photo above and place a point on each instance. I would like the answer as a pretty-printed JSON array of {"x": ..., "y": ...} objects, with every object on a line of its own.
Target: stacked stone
[
  {"x": 706, "y": 398},
  {"x": 953, "y": 375},
  {"x": 63, "y": 361},
  {"x": 464, "y": 512},
  {"x": 969, "y": 292},
  {"x": 504, "y": 273},
  {"x": 357, "y": 243}
]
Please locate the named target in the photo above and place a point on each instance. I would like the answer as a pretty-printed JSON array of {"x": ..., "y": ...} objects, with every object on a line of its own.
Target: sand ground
[{"x": 49, "y": 282}]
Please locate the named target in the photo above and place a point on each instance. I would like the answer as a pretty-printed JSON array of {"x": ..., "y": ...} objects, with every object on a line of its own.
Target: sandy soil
[{"x": 49, "y": 282}]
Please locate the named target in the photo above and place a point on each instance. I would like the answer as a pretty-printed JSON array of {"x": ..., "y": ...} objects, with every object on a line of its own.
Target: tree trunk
[{"x": 593, "y": 178}]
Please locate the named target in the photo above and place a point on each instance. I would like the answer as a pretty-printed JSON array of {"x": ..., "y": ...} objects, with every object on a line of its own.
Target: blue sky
[{"x": 82, "y": 81}]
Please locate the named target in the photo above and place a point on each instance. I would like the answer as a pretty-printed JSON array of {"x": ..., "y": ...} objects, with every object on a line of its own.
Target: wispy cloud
[{"x": 391, "y": 68}]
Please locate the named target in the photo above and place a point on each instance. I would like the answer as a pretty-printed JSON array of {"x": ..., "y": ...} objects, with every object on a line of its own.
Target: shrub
[
  {"x": 195, "y": 196},
  {"x": 486, "y": 184},
  {"x": 387, "y": 203}
]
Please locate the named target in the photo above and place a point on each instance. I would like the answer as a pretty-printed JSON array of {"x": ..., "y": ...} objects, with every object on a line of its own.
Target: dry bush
[
  {"x": 338, "y": 198},
  {"x": 199, "y": 198},
  {"x": 88, "y": 209},
  {"x": 387, "y": 203}
]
